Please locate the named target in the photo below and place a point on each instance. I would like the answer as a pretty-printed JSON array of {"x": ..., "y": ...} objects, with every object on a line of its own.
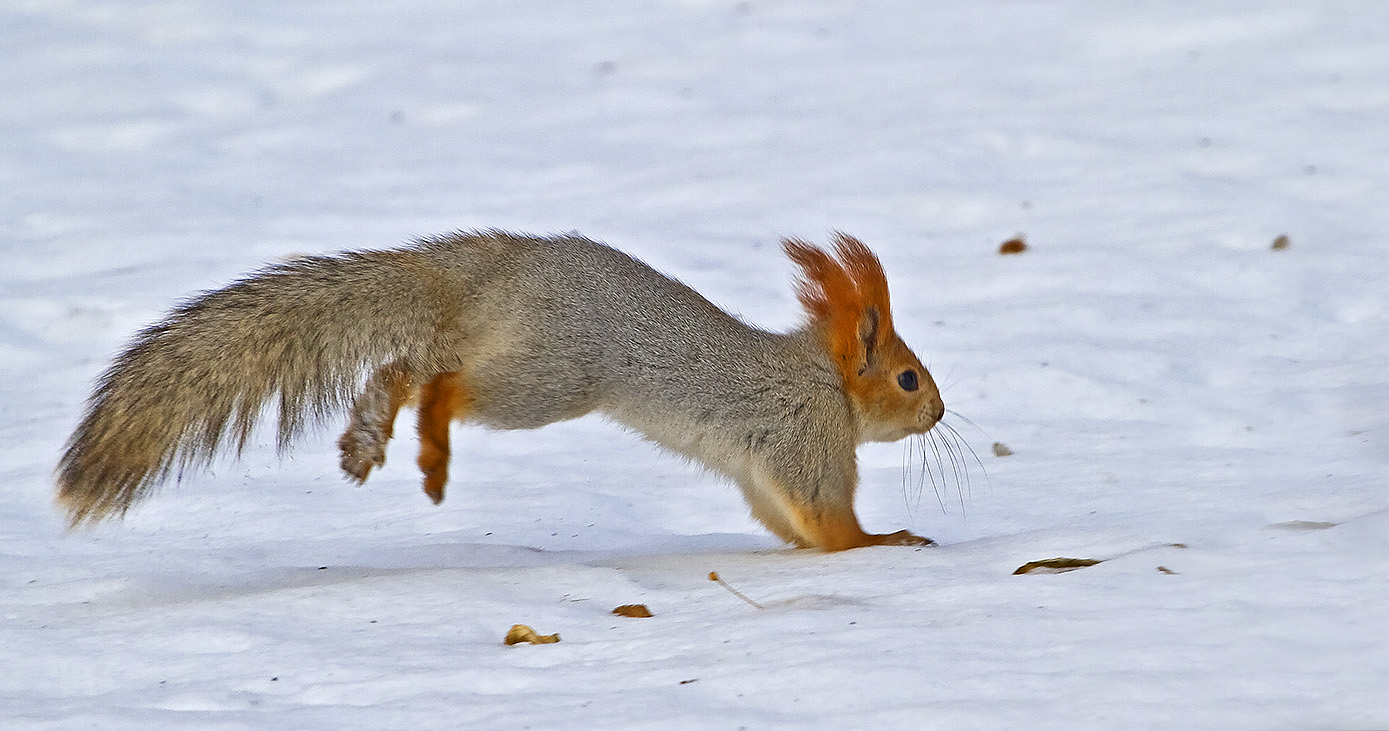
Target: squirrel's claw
[{"x": 903, "y": 538}]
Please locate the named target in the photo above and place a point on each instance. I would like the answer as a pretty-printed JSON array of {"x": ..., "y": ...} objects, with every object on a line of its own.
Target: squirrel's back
[{"x": 566, "y": 325}]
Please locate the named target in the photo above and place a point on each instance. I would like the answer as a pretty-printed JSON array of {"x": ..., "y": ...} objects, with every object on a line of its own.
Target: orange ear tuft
[
  {"x": 846, "y": 297},
  {"x": 823, "y": 282},
  {"x": 867, "y": 272}
]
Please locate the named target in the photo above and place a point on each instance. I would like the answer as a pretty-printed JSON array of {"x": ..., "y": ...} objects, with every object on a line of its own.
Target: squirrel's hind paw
[{"x": 359, "y": 455}]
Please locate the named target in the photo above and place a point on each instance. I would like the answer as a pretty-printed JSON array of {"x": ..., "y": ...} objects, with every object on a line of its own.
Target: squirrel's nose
[{"x": 937, "y": 410}]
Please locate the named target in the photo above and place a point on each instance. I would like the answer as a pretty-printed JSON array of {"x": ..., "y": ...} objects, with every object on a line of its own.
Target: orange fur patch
[
  {"x": 441, "y": 400},
  {"x": 828, "y": 527},
  {"x": 867, "y": 272},
  {"x": 838, "y": 293}
]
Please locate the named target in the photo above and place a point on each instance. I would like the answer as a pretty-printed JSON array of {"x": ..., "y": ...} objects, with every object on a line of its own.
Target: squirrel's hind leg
[
  {"x": 372, "y": 421},
  {"x": 442, "y": 400}
]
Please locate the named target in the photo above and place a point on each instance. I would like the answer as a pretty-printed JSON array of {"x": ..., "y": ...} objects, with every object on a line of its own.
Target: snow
[{"x": 1162, "y": 376}]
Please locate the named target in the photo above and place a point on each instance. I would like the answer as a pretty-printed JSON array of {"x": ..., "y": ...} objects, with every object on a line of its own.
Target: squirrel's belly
[
  {"x": 526, "y": 409},
  {"x": 712, "y": 445}
]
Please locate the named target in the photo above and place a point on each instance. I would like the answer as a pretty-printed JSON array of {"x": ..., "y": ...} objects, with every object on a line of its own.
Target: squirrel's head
[{"x": 845, "y": 295}]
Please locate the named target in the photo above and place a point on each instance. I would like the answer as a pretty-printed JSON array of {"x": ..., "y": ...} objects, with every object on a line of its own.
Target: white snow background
[{"x": 1161, "y": 374}]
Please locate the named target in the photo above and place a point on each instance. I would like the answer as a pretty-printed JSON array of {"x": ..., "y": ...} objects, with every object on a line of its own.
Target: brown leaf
[
  {"x": 1015, "y": 245},
  {"x": 521, "y": 633},
  {"x": 1055, "y": 565},
  {"x": 638, "y": 611}
]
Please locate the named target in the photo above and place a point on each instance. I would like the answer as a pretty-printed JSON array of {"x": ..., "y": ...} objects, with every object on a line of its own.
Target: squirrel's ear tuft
[
  {"x": 846, "y": 297},
  {"x": 866, "y": 271},
  {"x": 823, "y": 285}
]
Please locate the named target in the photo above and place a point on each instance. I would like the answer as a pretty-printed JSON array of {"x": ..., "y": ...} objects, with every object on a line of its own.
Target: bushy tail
[{"x": 303, "y": 332}]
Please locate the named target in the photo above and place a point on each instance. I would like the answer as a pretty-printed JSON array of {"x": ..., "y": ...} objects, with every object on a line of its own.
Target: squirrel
[{"x": 515, "y": 331}]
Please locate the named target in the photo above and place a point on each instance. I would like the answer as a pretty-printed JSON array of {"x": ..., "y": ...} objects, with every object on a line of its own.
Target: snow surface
[{"x": 1161, "y": 374}]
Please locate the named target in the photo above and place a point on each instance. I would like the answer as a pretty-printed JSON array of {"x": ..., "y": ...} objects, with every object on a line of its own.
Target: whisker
[
  {"x": 944, "y": 454},
  {"x": 964, "y": 464},
  {"x": 906, "y": 480},
  {"x": 957, "y": 458},
  {"x": 930, "y": 438},
  {"x": 926, "y": 469},
  {"x": 917, "y": 483},
  {"x": 969, "y": 422},
  {"x": 946, "y": 383},
  {"x": 960, "y": 440},
  {"x": 961, "y": 447},
  {"x": 954, "y": 468}
]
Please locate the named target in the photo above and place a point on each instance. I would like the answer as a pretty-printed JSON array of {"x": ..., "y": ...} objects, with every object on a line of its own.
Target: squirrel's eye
[{"x": 907, "y": 380}]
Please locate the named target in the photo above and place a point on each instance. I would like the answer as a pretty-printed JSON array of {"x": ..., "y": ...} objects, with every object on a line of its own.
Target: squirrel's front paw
[
  {"x": 359, "y": 454},
  {"x": 903, "y": 538}
]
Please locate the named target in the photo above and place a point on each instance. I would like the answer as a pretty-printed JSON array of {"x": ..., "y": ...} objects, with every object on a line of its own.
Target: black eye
[{"x": 907, "y": 380}]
